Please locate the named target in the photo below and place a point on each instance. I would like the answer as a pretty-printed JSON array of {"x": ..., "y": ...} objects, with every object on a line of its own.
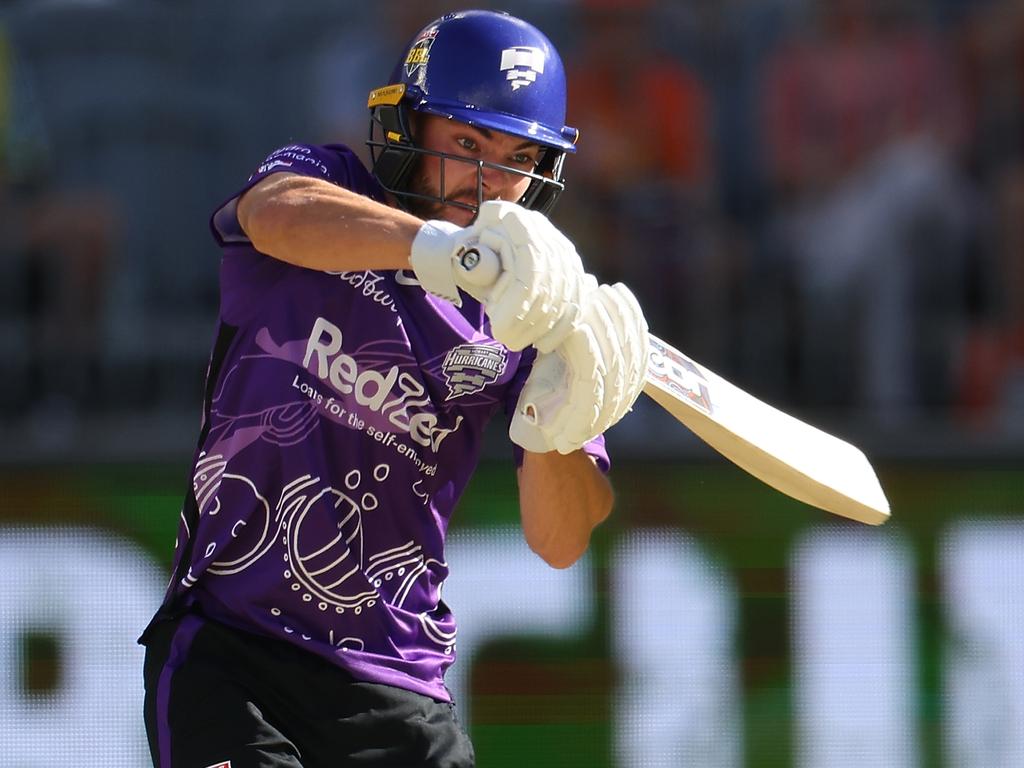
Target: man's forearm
[
  {"x": 562, "y": 498},
  {"x": 315, "y": 224}
]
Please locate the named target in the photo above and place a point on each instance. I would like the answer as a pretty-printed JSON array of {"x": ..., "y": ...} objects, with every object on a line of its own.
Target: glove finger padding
[
  {"x": 571, "y": 316},
  {"x": 498, "y": 243},
  {"x": 578, "y": 422},
  {"x": 567, "y": 284},
  {"x": 536, "y": 300},
  {"x": 631, "y": 331},
  {"x": 521, "y": 313},
  {"x": 597, "y": 317},
  {"x": 591, "y": 382}
]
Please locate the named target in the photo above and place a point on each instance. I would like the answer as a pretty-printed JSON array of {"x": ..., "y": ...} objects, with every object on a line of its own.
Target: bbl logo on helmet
[
  {"x": 471, "y": 367},
  {"x": 419, "y": 53},
  {"x": 524, "y": 63}
]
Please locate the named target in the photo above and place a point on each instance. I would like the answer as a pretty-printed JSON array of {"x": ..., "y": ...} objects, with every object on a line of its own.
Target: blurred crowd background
[{"x": 823, "y": 202}]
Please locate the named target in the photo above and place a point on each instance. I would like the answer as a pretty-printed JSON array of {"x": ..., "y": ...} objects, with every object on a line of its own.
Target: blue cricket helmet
[{"x": 484, "y": 68}]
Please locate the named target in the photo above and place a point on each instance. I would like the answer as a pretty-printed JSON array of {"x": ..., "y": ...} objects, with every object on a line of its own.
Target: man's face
[{"x": 439, "y": 134}]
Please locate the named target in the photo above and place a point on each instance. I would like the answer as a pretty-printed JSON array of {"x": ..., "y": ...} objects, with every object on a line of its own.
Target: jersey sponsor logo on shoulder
[
  {"x": 273, "y": 164},
  {"x": 287, "y": 157},
  {"x": 471, "y": 367},
  {"x": 522, "y": 63}
]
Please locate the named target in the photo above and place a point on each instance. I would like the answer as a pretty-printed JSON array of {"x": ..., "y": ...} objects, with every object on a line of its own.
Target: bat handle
[{"x": 479, "y": 265}]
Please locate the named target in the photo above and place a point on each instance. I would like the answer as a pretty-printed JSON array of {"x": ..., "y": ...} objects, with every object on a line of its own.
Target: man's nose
[{"x": 496, "y": 181}]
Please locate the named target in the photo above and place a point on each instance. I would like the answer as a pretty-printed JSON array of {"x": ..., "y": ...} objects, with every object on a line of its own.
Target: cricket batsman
[{"x": 354, "y": 369}]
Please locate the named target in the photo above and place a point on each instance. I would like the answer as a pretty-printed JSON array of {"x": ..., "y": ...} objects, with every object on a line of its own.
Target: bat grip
[{"x": 480, "y": 266}]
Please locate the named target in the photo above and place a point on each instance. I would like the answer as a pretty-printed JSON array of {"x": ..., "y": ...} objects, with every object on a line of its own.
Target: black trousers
[{"x": 219, "y": 698}]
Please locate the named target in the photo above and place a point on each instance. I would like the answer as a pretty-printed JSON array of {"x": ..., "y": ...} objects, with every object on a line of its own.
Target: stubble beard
[
  {"x": 429, "y": 205},
  {"x": 433, "y": 208}
]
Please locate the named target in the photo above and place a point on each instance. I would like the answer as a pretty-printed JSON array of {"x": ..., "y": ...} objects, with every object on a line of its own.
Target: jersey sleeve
[
  {"x": 334, "y": 163},
  {"x": 246, "y": 275},
  {"x": 596, "y": 448}
]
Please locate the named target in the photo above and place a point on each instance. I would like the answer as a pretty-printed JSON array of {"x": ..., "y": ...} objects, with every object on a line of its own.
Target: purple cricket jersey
[{"x": 343, "y": 419}]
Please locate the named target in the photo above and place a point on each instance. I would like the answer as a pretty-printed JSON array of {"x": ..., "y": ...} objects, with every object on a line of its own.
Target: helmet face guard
[
  {"x": 395, "y": 158},
  {"x": 484, "y": 69}
]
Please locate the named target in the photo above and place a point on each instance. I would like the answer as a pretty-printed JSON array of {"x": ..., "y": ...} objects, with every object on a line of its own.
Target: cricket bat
[{"x": 790, "y": 455}]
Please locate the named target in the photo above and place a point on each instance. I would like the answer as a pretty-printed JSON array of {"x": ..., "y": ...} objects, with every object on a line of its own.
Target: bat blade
[{"x": 790, "y": 455}]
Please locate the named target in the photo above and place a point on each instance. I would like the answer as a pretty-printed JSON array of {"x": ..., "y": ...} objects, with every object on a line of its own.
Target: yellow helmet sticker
[
  {"x": 419, "y": 52},
  {"x": 389, "y": 95}
]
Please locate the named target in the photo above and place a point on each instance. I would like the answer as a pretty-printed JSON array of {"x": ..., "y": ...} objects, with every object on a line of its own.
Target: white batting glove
[
  {"x": 536, "y": 298},
  {"x": 434, "y": 255},
  {"x": 592, "y": 381}
]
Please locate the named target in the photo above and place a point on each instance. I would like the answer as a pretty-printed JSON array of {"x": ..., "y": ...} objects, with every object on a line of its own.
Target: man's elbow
[
  {"x": 265, "y": 212},
  {"x": 560, "y": 554}
]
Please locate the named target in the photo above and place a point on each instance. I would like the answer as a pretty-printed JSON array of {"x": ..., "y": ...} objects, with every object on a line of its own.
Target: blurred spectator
[
  {"x": 647, "y": 216},
  {"x": 647, "y": 113},
  {"x": 992, "y": 382},
  {"x": 864, "y": 122},
  {"x": 56, "y": 247}
]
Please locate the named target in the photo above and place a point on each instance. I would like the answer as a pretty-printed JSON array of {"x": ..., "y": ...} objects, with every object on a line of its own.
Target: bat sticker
[{"x": 679, "y": 374}]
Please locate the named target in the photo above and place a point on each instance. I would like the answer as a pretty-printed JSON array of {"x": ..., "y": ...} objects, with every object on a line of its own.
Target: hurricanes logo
[
  {"x": 523, "y": 63},
  {"x": 471, "y": 367},
  {"x": 419, "y": 53}
]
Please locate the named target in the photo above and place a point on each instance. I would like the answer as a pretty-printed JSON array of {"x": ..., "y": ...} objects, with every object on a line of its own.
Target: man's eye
[
  {"x": 523, "y": 159},
  {"x": 466, "y": 143}
]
